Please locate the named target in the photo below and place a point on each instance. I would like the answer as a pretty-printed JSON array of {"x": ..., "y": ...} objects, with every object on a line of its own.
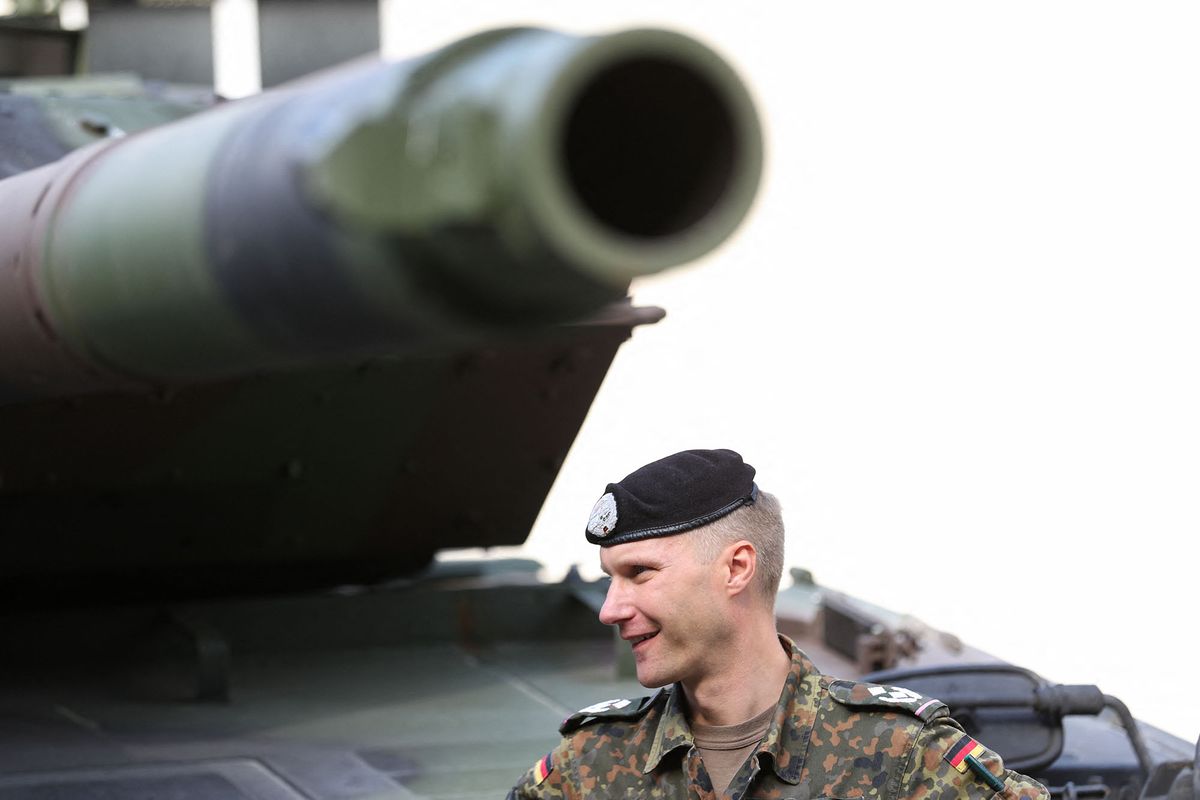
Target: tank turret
[{"x": 318, "y": 334}]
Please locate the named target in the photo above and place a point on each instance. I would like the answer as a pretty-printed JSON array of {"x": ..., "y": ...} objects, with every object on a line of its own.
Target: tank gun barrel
[{"x": 514, "y": 179}]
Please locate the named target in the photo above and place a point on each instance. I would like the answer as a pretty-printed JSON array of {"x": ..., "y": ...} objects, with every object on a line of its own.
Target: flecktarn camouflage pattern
[{"x": 829, "y": 739}]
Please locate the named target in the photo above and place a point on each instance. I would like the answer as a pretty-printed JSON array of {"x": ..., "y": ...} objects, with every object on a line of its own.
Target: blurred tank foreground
[
  {"x": 258, "y": 365},
  {"x": 314, "y": 336}
]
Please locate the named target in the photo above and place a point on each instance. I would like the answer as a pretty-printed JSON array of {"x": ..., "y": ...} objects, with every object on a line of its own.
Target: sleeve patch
[
  {"x": 542, "y": 770},
  {"x": 965, "y": 755},
  {"x": 870, "y": 695},
  {"x": 957, "y": 755}
]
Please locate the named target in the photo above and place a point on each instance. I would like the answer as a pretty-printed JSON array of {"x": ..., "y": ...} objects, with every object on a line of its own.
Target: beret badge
[{"x": 603, "y": 517}]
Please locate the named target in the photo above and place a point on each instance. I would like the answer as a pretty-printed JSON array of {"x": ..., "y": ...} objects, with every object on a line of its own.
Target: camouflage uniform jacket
[{"x": 829, "y": 739}]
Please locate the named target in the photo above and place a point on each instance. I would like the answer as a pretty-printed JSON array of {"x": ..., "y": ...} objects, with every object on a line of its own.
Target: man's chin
[{"x": 652, "y": 680}]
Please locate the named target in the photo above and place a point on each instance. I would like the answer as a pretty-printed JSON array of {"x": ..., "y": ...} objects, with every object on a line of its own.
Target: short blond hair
[{"x": 761, "y": 524}]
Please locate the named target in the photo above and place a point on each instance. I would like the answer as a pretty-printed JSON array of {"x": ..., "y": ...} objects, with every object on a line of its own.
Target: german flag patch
[
  {"x": 957, "y": 755},
  {"x": 542, "y": 770}
]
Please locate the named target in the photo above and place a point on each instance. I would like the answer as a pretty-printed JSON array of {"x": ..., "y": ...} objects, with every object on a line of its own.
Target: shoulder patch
[
  {"x": 873, "y": 695},
  {"x": 542, "y": 769},
  {"x": 609, "y": 709}
]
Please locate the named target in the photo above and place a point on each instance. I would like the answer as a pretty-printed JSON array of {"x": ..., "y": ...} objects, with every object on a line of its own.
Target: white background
[{"x": 959, "y": 334}]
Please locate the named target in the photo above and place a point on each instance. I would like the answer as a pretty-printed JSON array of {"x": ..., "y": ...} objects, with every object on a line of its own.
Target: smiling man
[{"x": 695, "y": 552}]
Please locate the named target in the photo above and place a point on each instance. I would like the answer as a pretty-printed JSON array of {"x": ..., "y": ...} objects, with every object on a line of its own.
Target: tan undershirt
[{"x": 724, "y": 748}]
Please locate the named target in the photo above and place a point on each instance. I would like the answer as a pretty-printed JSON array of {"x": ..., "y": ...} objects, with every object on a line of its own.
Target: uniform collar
[
  {"x": 787, "y": 738},
  {"x": 672, "y": 731},
  {"x": 786, "y": 741}
]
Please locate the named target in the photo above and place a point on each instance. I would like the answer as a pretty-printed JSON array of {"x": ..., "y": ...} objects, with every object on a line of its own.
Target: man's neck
[{"x": 745, "y": 685}]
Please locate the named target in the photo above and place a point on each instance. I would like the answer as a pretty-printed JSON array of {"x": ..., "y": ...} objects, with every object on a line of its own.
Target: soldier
[{"x": 695, "y": 552}]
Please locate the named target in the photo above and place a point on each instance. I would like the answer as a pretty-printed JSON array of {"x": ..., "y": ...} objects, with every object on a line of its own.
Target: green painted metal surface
[{"x": 317, "y": 335}]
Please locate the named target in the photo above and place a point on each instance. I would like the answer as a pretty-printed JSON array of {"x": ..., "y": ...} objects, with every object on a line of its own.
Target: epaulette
[
  {"x": 873, "y": 695},
  {"x": 609, "y": 709}
]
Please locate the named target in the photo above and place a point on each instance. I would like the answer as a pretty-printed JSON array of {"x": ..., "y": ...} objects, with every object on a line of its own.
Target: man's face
[{"x": 668, "y": 606}]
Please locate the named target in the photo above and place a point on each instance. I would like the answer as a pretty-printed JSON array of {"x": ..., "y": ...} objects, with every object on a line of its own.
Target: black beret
[{"x": 672, "y": 495}]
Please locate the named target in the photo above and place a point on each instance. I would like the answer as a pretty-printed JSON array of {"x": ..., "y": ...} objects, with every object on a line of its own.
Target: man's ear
[{"x": 742, "y": 561}]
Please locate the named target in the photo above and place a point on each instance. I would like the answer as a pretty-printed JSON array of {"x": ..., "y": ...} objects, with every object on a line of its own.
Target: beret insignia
[{"x": 603, "y": 517}]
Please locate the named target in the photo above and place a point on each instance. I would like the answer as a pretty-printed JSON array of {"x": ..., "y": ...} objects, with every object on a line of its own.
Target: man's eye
[{"x": 638, "y": 571}]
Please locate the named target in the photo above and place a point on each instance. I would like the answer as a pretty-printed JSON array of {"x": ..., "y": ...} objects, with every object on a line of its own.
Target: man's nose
[{"x": 616, "y": 608}]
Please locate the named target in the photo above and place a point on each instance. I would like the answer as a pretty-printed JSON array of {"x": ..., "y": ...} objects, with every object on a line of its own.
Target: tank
[
  {"x": 260, "y": 361},
  {"x": 314, "y": 336}
]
